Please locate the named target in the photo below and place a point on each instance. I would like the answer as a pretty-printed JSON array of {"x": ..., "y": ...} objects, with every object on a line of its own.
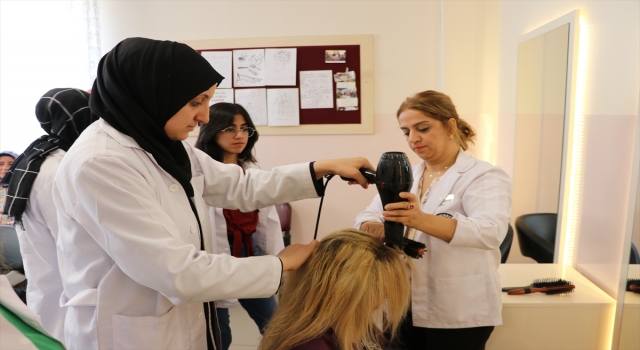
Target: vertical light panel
[{"x": 575, "y": 152}]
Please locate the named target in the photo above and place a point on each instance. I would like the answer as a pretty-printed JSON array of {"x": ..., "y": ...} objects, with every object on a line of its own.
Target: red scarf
[{"x": 241, "y": 226}]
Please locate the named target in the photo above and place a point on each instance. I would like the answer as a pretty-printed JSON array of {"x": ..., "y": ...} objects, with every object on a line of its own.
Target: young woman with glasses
[{"x": 229, "y": 138}]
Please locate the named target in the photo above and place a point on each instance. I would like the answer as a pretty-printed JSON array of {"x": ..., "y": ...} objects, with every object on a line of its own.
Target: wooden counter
[
  {"x": 630, "y": 328},
  {"x": 580, "y": 320}
]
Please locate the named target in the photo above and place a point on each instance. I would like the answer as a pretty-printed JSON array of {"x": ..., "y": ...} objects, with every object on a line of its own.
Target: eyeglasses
[{"x": 233, "y": 131}]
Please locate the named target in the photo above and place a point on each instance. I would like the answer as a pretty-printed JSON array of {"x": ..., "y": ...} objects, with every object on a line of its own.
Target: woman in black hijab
[
  {"x": 63, "y": 114},
  {"x": 132, "y": 202}
]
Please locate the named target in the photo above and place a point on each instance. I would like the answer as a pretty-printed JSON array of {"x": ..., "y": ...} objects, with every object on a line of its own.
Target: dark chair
[
  {"x": 505, "y": 246},
  {"x": 635, "y": 257},
  {"x": 10, "y": 249},
  {"x": 284, "y": 212},
  {"x": 537, "y": 236}
]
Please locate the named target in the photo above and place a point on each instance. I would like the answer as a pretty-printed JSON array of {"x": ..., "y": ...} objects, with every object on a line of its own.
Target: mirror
[{"x": 543, "y": 63}]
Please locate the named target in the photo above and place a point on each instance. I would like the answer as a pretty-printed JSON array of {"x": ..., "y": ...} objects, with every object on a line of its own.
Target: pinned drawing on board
[
  {"x": 280, "y": 66},
  {"x": 248, "y": 68},
  {"x": 283, "y": 107},
  {"x": 316, "y": 89},
  {"x": 255, "y": 102},
  {"x": 335, "y": 56},
  {"x": 221, "y": 61}
]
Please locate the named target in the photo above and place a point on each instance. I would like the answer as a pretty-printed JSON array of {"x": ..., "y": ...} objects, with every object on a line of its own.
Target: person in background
[
  {"x": 6, "y": 161},
  {"x": 7, "y": 158},
  {"x": 350, "y": 292},
  {"x": 459, "y": 207},
  {"x": 135, "y": 240},
  {"x": 229, "y": 137},
  {"x": 63, "y": 113}
]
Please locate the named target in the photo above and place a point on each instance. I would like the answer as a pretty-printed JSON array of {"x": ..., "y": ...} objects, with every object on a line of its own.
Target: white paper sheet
[
  {"x": 280, "y": 66},
  {"x": 316, "y": 89},
  {"x": 248, "y": 68},
  {"x": 222, "y": 95},
  {"x": 222, "y": 63},
  {"x": 347, "y": 102},
  {"x": 283, "y": 107},
  {"x": 255, "y": 102}
]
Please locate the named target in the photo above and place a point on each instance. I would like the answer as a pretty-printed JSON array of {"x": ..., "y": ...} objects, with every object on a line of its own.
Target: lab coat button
[
  {"x": 194, "y": 229},
  {"x": 173, "y": 187},
  {"x": 200, "y": 315}
]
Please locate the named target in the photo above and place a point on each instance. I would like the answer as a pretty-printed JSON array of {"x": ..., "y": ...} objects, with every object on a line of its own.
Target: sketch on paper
[
  {"x": 248, "y": 68},
  {"x": 283, "y": 107},
  {"x": 220, "y": 61},
  {"x": 280, "y": 65},
  {"x": 255, "y": 102},
  {"x": 316, "y": 89}
]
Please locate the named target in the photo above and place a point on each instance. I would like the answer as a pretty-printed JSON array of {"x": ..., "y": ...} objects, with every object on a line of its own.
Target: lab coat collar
[
  {"x": 128, "y": 141},
  {"x": 122, "y": 139},
  {"x": 463, "y": 163}
]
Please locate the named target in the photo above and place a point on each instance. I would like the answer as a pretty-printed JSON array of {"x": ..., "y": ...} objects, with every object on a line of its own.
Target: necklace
[{"x": 439, "y": 172}]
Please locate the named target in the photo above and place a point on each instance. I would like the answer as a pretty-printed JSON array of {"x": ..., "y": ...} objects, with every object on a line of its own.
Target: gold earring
[{"x": 451, "y": 137}]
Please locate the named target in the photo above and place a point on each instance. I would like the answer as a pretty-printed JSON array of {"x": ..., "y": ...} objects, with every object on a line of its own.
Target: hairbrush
[
  {"x": 546, "y": 290},
  {"x": 633, "y": 285},
  {"x": 539, "y": 283},
  {"x": 413, "y": 248}
]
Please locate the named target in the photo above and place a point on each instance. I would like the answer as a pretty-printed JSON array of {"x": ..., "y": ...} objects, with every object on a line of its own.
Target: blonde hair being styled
[
  {"x": 352, "y": 284},
  {"x": 439, "y": 106}
]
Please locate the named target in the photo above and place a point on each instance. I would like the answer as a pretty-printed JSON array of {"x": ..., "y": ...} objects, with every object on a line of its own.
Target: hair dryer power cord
[{"x": 328, "y": 177}]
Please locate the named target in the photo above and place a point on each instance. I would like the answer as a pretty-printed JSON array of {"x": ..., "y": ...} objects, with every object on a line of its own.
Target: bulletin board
[{"x": 311, "y": 57}]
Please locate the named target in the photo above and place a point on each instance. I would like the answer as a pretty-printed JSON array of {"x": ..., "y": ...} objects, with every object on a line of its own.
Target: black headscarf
[
  {"x": 63, "y": 114},
  {"x": 141, "y": 84}
]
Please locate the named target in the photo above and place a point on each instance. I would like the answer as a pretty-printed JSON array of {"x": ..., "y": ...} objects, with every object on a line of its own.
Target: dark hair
[
  {"x": 221, "y": 116},
  {"x": 439, "y": 106}
]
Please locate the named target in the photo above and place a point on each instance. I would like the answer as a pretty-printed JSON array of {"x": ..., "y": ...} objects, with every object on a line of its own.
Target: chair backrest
[
  {"x": 505, "y": 246},
  {"x": 10, "y": 248},
  {"x": 635, "y": 257},
  {"x": 284, "y": 212},
  {"x": 537, "y": 235}
]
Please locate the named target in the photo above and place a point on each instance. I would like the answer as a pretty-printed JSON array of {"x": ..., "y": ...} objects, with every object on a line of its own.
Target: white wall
[
  {"x": 612, "y": 33},
  {"x": 406, "y": 57},
  {"x": 471, "y": 68}
]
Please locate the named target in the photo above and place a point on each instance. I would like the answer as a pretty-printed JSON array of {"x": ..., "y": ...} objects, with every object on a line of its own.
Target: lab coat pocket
[
  {"x": 462, "y": 299},
  {"x": 147, "y": 332}
]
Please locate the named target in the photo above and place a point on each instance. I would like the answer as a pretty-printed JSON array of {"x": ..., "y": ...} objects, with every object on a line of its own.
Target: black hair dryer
[{"x": 394, "y": 175}]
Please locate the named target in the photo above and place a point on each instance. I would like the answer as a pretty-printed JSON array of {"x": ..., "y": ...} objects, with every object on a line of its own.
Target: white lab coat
[
  {"x": 129, "y": 249},
  {"x": 268, "y": 235},
  {"x": 38, "y": 249},
  {"x": 10, "y": 336},
  {"x": 457, "y": 283}
]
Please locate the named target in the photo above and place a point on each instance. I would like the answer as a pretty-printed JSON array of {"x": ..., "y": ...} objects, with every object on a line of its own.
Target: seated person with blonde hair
[{"x": 351, "y": 291}]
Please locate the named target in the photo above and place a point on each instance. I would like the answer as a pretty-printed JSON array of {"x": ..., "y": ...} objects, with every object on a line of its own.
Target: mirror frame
[
  {"x": 634, "y": 191},
  {"x": 571, "y": 18}
]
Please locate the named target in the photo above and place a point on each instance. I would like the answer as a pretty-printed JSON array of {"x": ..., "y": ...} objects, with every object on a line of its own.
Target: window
[{"x": 43, "y": 45}]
